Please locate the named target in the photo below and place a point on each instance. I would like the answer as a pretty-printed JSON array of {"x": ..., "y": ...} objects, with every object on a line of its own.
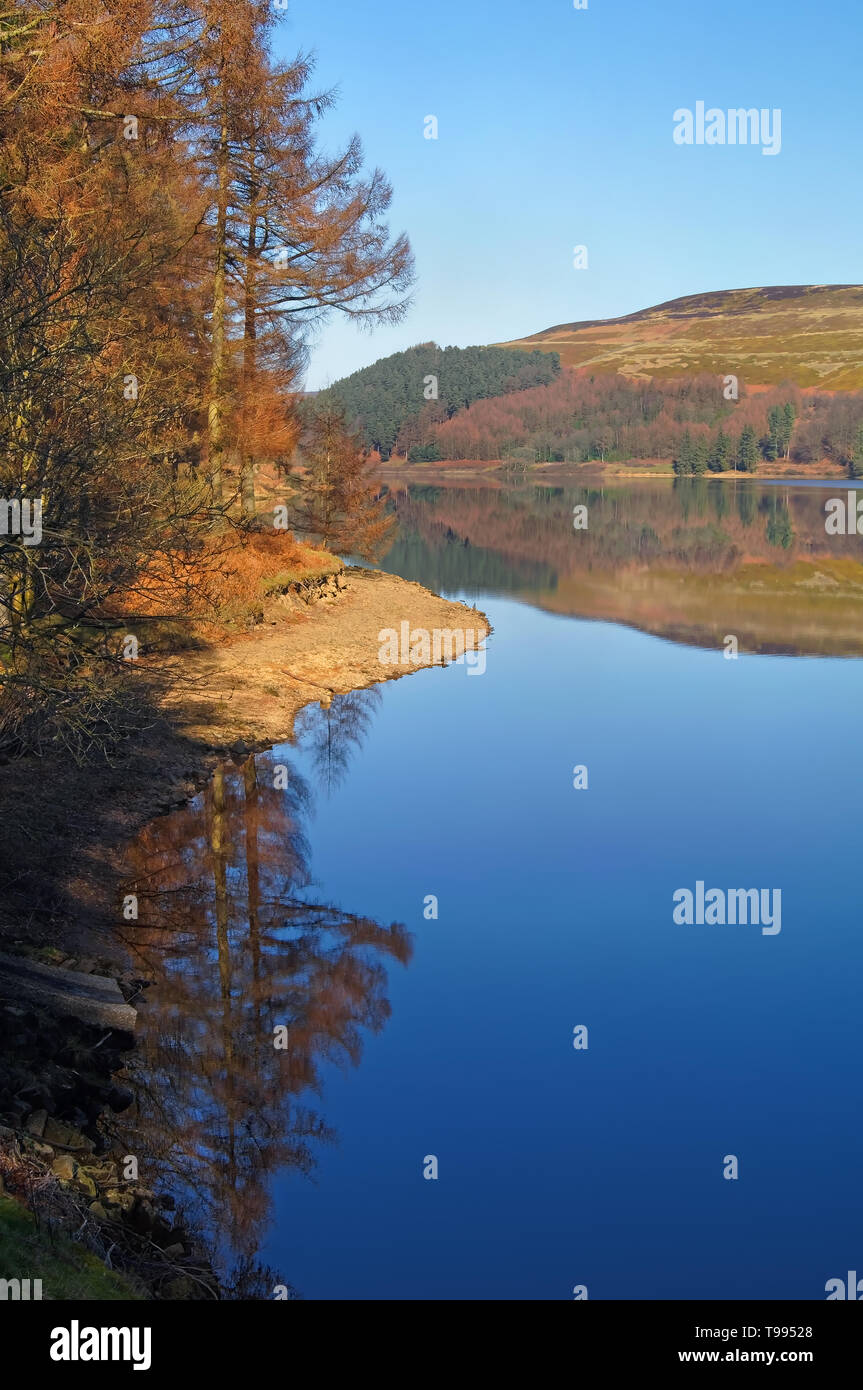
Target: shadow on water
[{"x": 239, "y": 949}]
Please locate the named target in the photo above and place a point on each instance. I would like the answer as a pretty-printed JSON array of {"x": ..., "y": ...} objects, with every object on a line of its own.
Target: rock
[
  {"x": 142, "y": 1217},
  {"x": 83, "y": 995},
  {"x": 40, "y": 1150},
  {"x": 98, "y": 1211},
  {"x": 37, "y": 1097},
  {"x": 65, "y": 1168},
  {"x": 117, "y": 1098},
  {"x": 66, "y": 1137},
  {"x": 86, "y": 1185},
  {"x": 116, "y": 1197},
  {"x": 36, "y": 1123},
  {"x": 175, "y": 1252},
  {"x": 103, "y": 1174},
  {"x": 161, "y": 1229}
]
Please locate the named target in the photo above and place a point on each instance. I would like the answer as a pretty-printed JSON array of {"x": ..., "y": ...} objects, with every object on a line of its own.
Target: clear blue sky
[{"x": 556, "y": 130}]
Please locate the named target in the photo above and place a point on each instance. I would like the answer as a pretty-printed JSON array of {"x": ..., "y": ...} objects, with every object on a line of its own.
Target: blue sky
[{"x": 556, "y": 130}]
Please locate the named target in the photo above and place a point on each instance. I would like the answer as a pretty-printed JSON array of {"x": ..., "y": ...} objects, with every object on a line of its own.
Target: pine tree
[
  {"x": 771, "y": 444},
  {"x": 700, "y": 451},
  {"x": 790, "y": 415},
  {"x": 683, "y": 464},
  {"x": 718, "y": 460},
  {"x": 747, "y": 458},
  {"x": 855, "y": 467}
]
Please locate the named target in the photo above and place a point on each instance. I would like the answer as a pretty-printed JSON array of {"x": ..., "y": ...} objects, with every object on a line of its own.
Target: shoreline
[
  {"x": 495, "y": 471},
  {"x": 227, "y": 702},
  {"x": 250, "y": 689},
  {"x": 233, "y": 697}
]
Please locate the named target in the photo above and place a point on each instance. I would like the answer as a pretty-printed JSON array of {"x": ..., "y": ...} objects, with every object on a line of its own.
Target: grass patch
[
  {"x": 321, "y": 567},
  {"x": 66, "y": 1269}
]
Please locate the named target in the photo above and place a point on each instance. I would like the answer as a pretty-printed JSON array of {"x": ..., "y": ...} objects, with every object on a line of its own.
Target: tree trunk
[{"x": 216, "y": 408}]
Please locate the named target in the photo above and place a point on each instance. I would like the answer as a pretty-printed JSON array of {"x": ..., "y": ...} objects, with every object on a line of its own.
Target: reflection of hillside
[
  {"x": 237, "y": 946},
  {"x": 692, "y": 561}
]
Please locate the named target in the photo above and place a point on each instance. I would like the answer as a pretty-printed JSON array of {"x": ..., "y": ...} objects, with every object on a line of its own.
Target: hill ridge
[{"x": 809, "y": 334}]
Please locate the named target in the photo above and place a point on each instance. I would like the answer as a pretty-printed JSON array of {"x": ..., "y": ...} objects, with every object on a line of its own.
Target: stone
[
  {"x": 86, "y": 1185},
  {"x": 103, "y": 1174},
  {"x": 33, "y": 1146},
  {"x": 36, "y": 1123},
  {"x": 66, "y": 1137},
  {"x": 65, "y": 1168},
  {"x": 116, "y": 1197},
  {"x": 142, "y": 1218},
  {"x": 98, "y": 1211},
  {"x": 175, "y": 1252}
]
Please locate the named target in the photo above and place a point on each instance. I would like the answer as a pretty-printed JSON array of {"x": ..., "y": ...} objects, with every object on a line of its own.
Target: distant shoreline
[{"x": 497, "y": 469}]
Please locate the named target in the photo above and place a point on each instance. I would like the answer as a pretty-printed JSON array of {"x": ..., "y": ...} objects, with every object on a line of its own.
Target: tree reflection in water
[{"x": 237, "y": 946}]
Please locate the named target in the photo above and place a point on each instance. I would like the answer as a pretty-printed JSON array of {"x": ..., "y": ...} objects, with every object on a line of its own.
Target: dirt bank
[
  {"x": 65, "y": 826},
  {"x": 250, "y": 690}
]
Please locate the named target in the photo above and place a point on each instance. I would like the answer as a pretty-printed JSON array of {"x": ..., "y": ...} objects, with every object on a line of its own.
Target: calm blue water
[
  {"x": 561, "y": 1167},
  {"x": 602, "y": 1167}
]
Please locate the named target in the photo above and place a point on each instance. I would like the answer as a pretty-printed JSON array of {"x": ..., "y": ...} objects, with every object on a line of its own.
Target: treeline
[
  {"x": 726, "y": 453},
  {"x": 170, "y": 233},
  {"x": 579, "y": 418},
  {"x": 397, "y": 402}
]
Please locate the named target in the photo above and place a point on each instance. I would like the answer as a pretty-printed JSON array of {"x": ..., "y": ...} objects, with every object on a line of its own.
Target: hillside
[
  {"x": 397, "y": 401},
  {"x": 809, "y": 334},
  {"x": 607, "y": 418}
]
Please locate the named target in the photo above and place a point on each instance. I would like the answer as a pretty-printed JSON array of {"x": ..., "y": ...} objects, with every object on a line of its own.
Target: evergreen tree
[
  {"x": 771, "y": 443},
  {"x": 386, "y": 398},
  {"x": 683, "y": 464},
  {"x": 790, "y": 415},
  {"x": 747, "y": 457},
  {"x": 855, "y": 467},
  {"x": 719, "y": 458},
  {"x": 700, "y": 453}
]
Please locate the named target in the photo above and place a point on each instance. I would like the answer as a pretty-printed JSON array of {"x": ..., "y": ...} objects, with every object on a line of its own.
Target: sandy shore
[{"x": 249, "y": 690}]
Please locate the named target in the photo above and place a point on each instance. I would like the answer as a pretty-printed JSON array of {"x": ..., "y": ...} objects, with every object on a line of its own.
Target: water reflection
[
  {"x": 332, "y": 733},
  {"x": 230, "y": 930},
  {"x": 690, "y": 560}
]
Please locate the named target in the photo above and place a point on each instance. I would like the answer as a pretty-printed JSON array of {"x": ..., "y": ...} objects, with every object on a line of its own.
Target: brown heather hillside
[{"x": 809, "y": 334}]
